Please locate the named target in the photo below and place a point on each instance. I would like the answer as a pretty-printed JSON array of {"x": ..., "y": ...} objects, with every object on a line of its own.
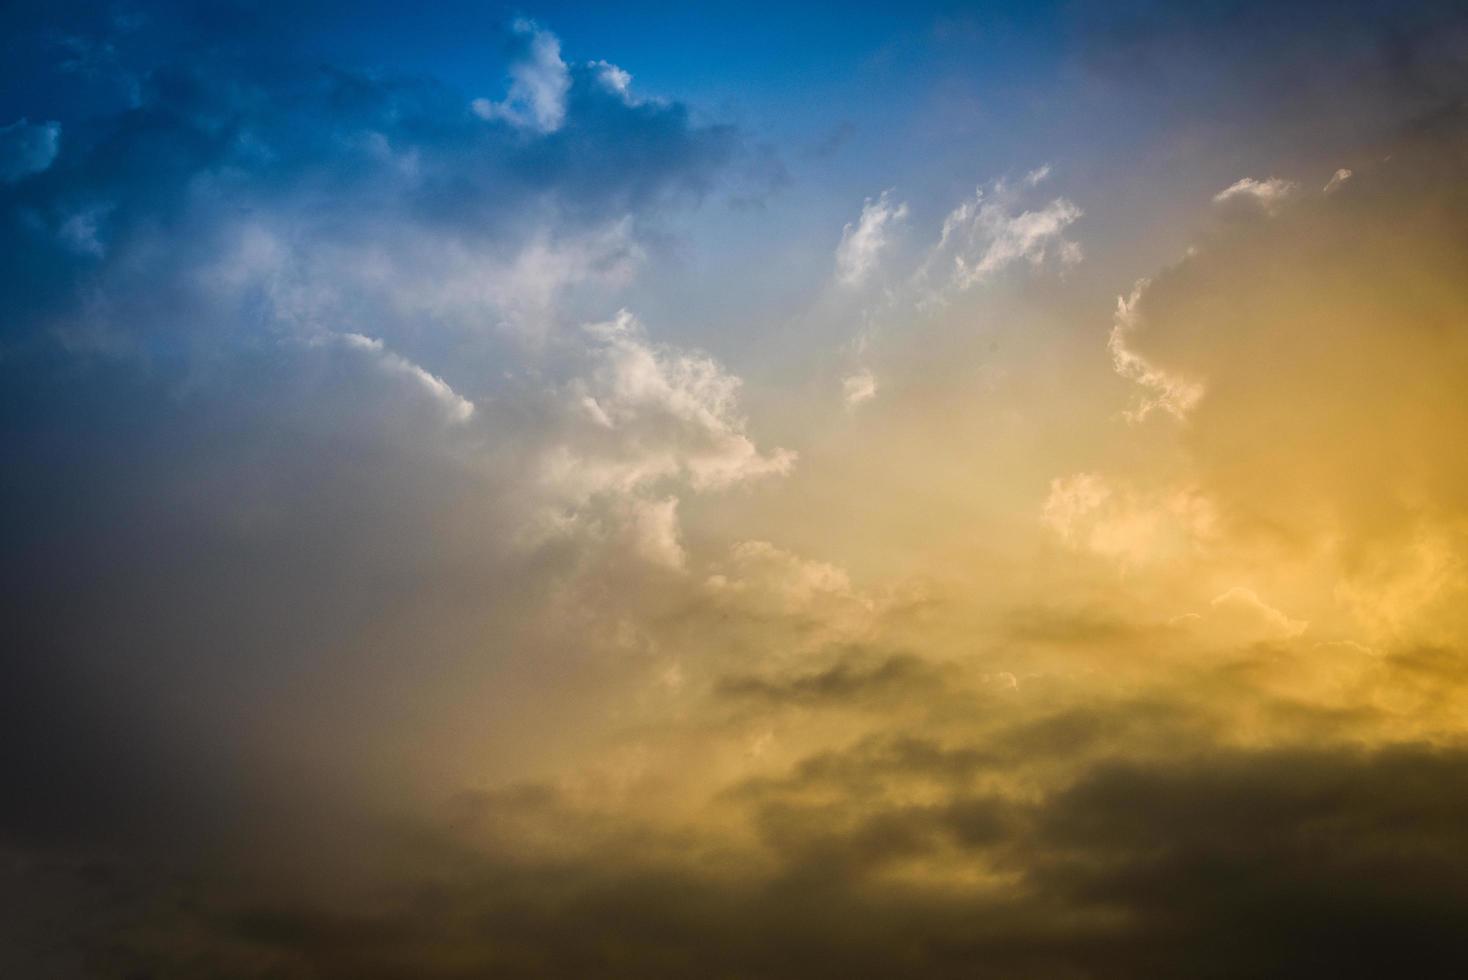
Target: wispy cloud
[{"x": 863, "y": 241}]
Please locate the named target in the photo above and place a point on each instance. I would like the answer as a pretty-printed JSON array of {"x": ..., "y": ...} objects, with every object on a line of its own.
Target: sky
[{"x": 734, "y": 490}]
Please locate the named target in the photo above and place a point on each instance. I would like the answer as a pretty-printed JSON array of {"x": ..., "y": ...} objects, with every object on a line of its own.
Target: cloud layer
[{"x": 461, "y": 519}]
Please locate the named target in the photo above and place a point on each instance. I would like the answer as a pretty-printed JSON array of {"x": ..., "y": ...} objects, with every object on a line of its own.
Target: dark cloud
[
  {"x": 849, "y": 681},
  {"x": 1292, "y": 862},
  {"x": 1070, "y": 626}
]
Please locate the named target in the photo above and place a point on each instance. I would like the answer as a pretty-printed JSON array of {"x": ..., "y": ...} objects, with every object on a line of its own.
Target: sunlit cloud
[
  {"x": 1268, "y": 195},
  {"x": 468, "y": 513},
  {"x": 862, "y": 241}
]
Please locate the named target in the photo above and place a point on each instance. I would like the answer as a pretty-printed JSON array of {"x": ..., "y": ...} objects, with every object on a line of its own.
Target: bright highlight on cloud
[
  {"x": 862, "y": 242},
  {"x": 539, "y": 82},
  {"x": 1268, "y": 194},
  {"x": 465, "y": 515},
  {"x": 995, "y": 229}
]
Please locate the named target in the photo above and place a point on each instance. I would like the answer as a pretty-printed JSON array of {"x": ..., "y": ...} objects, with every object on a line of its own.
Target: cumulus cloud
[
  {"x": 539, "y": 82},
  {"x": 386, "y": 203},
  {"x": 645, "y": 412},
  {"x": 862, "y": 241},
  {"x": 27, "y": 149},
  {"x": 614, "y": 78}
]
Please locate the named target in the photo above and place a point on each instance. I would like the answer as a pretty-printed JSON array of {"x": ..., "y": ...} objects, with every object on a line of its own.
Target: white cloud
[
  {"x": 1038, "y": 175},
  {"x": 456, "y": 407},
  {"x": 859, "y": 387},
  {"x": 613, "y": 78},
  {"x": 539, "y": 82},
  {"x": 640, "y": 424},
  {"x": 1336, "y": 180},
  {"x": 645, "y": 413},
  {"x": 1267, "y": 195},
  {"x": 1170, "y": 392},
  {"x": 992, "y": 230},
  {"x": 27, "y": 149},
  {"x": 862, "y": 241}
]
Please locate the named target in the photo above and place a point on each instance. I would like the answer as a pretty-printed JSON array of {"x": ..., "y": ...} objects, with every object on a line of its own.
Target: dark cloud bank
[{"x": 1295, "y": 862}]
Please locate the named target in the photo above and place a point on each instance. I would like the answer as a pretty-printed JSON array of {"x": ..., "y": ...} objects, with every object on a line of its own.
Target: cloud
[
  {"x": 27, "y": 149},
  {"x": 1071, "y": 500},
  {"x": 859, "y": 387},
  {"x": 1251, "y": 613},
  {"x": 456, "y": 407},
  {"x": 1173, "y": 394},
  {"x": 1317, "y": 321},
  {"x": 615, "y": 79},
  {"x": 1267, "y": 195},
  {"x": 387, "y": 204},
  {"x": 1140, "y": 835},
  {"x": 1336, "y": 180},
  {"x": 1089, "y": 512},
  {"x": 793, "y": 582},
  {"x": 846, "y": 682},
  {"x": 645, "y": 413},
  {"x": 655, "y": 532},
  {"x": 1101, "y": 874},
  {"x": 288, "y": 348},
  {"x": 993, "y": 230},
  {"x": 862, "y": 242},
  {"x": 354, "y": 629},
  {"x": 539, "y": 82}
]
